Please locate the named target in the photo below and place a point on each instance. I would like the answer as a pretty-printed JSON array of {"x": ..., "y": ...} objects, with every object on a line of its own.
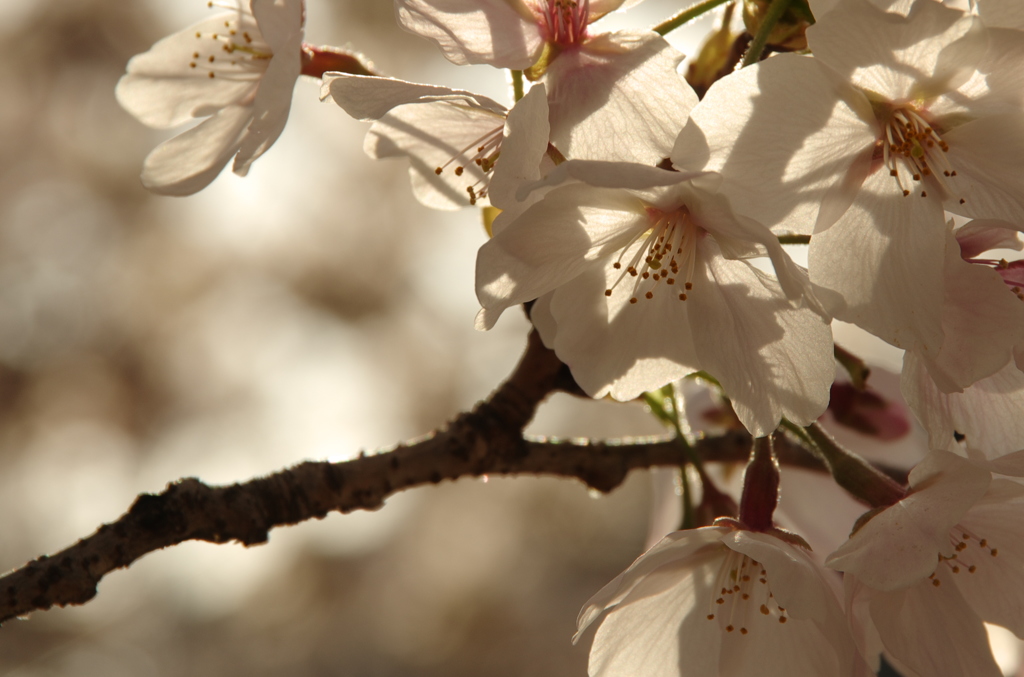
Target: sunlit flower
[
  {"x": 720, "y": 601},
  {"x": 929, "y": 124},
  {"x": 613, "y": 96},
  {"x": 641, "y": 277},
  {"x": 452, "y": 137},
  {"x": 923, "y": 574},
  {"x": 238, "y": 68}
]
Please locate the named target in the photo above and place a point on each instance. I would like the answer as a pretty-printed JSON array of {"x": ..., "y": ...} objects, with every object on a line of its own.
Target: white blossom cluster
[{"x": 631, "y": 215}]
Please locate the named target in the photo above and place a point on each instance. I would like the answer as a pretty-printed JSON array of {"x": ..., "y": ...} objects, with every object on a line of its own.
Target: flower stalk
[
  {"x": 760, "y": 487},
  {"x": 687, "y": 15},
  {"x": 853, "y": 473}
]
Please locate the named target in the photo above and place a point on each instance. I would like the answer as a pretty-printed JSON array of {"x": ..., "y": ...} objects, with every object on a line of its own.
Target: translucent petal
[
  {"x": 496, "y": 32},
  {"x": 190, "y": 161},
  {"x": 618, "y": 97}
]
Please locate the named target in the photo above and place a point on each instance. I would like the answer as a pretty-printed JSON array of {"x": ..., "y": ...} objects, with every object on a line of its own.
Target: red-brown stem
[
  {"x": 760, "y": 487},
  {"x": 317, "y": 60}
]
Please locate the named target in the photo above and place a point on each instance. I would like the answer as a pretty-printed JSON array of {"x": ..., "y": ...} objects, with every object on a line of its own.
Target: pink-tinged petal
[
  {"x": 982, "y": 321},
  {"x": 979, "y": 236},
  {"x": 899, "y": 58},
  {"x": 439, "y": 134},
  {"x": 782, "y": 133},
  {"x": 190, "y": 161},
  {"x": 884, "y": 259},
  {"x": 367, "y": 97},
  {"x": 281, "y": 21},
  {"x": 929, "y": 630},
  {"x": 987, "y": 414},
  {"x": 551, "y": 243},
  {"x": 617, "y": 348},
  {"x": 991, "y": 576},
  {"x": 501, "y": 33},
  {"x": 900, "y": 546},
  {"x": 618, "y": 97},
  {"x": 986, "y": 155},
  {"x": 773, "y": 359},
  {"x": 163, "y": 90},
  {"x": 522, "y": 152}
]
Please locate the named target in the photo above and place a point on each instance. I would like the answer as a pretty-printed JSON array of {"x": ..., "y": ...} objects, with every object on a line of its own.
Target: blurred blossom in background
[{"x": 309, "y": 311}]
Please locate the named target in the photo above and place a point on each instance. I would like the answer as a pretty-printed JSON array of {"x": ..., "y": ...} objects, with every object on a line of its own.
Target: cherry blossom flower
[
  {"x": 720, "y": 601},
  {"x": 235, "y": 68},
  {"x": 934, "y": 566},
  {"x": 594, "y": 82},
  {"x": 929, "y": 124},
  {"x": 622, "y": 262},
  {"x": 452, "y": 137}
]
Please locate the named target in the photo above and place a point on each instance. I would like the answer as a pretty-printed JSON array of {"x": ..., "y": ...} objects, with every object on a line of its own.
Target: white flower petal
[
  {"x": 782, "y": 133},
  {"x": 367, "y": 97},
  {"x": 982, "y": 321},
  {"x": 931, "y": 630},
  {"x": 501, "y": 33},
  {"x": 190, "y": 161},
  {"x": 897, "y": 57},
  {"x": 993, "y": 584},
  {"x": 773, "y": 360},
  {"x": 674, "y": 547},
  {"x": 522, "y": 152},
  {"x": 884, "y": 259},
  {"x": 617, "y": 348},
  {"x": 162, "y": 90},
  {"x": 282, "y": 24},
  {"x": 986, "y": 155},
  {"x": 618, "y": 97},
  {"x": 660, "y": 630},
  {"x": 988, "y": 413},
  {"x": 438, "y": 134},
  {"x": 900, "y": 545},
  {"x": 980, "y": 235},
  {"x": 551, "y": 243},
  {"x": 1002, "y": 13}
]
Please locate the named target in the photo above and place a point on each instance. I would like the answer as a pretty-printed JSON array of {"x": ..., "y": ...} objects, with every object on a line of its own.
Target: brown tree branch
[{"x": 487, "y": 440}]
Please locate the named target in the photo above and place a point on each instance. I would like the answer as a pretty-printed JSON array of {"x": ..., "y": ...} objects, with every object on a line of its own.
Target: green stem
[
  {"x": 771, "y": 17},
  {"x": 687, "y": 15},
  {"x": 794, "y": 238},
  {"x": 853, "y": 473},
  {"x": 517, "y": 85},
  {"x": 689, "y": 515},
  {"x": 854, "y": 366}
]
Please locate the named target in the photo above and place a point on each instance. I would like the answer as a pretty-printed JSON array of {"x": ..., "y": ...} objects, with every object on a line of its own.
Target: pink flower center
[
  {"x": 913, "y": 151},
  {"x": 479, "y": 156},
  {"x": 564, "y": 22},
  {"x": 238, "y": 52},
  {"x": 666, "y": 249}
]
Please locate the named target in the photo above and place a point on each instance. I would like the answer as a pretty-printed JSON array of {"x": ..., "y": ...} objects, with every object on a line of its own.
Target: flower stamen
[
  {"x": 913, "y": 150},
  {"x": 668, "y": 247}
]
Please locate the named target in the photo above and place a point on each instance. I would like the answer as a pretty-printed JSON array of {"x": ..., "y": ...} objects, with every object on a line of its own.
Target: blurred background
[{"x": 310, "y": 310}]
